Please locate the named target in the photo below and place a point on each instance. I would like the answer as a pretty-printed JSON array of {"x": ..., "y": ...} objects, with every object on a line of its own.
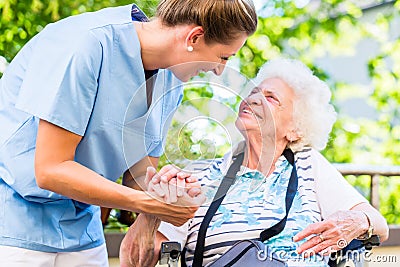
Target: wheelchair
[{"x": 352, "y": 255}]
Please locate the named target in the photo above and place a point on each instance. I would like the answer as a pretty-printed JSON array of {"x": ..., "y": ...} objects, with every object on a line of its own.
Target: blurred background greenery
[{"x": 328, "y": 35}]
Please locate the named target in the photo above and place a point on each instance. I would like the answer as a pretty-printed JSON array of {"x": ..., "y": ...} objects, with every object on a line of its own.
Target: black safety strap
[
  {"x": 228, "y": 180},
  {"x": 226, "y": 183},
  {"x": 290, "y": 193}
]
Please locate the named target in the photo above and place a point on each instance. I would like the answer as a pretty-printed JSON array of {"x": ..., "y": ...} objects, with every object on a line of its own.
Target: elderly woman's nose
[{"x": 255, "y": 99}]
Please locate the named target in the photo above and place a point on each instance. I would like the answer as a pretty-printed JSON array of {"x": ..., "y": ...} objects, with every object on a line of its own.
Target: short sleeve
[
  {"x": 158, "y": 150},
  {"x": 60, "y": 83},
  {"x": 174, "y": 233},
  {"x": 334, "y": 193}
]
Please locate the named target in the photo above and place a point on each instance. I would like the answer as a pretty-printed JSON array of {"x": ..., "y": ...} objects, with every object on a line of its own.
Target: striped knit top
[{"x": 254, "y": 203}]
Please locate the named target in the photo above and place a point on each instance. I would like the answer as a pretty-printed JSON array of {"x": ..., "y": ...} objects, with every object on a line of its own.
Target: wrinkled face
[
  {"x": 206, "y": 57},
  {"x": 267, "y": 110}
]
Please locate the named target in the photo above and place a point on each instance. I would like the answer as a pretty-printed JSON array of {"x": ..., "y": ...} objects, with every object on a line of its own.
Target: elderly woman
[{"x": 288, "y": 109}]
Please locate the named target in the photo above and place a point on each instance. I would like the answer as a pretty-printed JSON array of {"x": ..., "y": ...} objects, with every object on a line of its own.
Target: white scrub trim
[{"x": 94, "y": 257}]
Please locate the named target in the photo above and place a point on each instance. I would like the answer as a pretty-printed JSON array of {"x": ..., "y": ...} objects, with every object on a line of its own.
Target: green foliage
[
  {"x": 114, "y": 225},
  {"x": 194, "y": 137},
  {"x": 300, "y": 32},
  {"x": 311, "y": 32},
  {"x": 389, "y": 199},
  {"x": 21, "y": 20},
  {"x": 334, "y": 28}
]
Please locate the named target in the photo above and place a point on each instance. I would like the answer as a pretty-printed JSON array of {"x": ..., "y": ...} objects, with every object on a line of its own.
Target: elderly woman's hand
[
  {"x": 332, "y": 234},
  {"x": 137, "y": 247},
  {"x": 170, "y": 183}
]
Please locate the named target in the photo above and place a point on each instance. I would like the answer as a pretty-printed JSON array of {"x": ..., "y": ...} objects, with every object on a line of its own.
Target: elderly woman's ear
[{"x": 293, "y": 135}]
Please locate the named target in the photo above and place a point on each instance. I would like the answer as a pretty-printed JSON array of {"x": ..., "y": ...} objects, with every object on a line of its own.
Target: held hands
[
  {"x": 332, "y": 234},
  {"x": 171, "y": 184},
  {"x": 178, "y": 194}
]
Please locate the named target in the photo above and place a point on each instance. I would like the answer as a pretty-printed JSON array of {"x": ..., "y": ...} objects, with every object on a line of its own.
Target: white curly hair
[{"x": 313, "y": 114}]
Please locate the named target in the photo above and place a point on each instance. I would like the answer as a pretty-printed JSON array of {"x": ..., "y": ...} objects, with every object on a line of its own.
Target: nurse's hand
[
  {"x": 170, "y": 183},
  {"x": 177, "y": 213},
  {"x": 183, "y": 207}
]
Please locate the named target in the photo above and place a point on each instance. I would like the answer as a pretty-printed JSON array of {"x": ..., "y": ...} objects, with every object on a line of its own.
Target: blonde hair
[
  {"x": 222, "y": 20},
  {"x": 313, "y": 114}
]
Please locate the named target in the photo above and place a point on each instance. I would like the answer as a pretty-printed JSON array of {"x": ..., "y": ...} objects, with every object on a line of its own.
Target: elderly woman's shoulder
[
  {"x": 317, "y": 156},
  {"x": 309, "y": 152},
  {"x": 319, "y": 164},
  {"x": 309, "y": 155}
]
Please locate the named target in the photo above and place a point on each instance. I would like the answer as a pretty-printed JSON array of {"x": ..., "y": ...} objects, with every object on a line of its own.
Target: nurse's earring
[{"x": 190, "y": 48}]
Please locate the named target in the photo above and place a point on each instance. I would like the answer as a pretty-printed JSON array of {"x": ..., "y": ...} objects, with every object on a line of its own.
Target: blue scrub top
[{"x": 84, "y": 74}]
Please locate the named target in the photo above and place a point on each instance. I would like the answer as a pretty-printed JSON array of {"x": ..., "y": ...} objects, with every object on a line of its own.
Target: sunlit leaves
[
  {"x": 397, "y": 5},
  {"x": 6, "y": 10},
  {"x": 306, "y": 30},
  {"x": 352, "y": 9},
  {"x": 390, "y": 202},
  {"x": 21, "y": 20},
  {"x": 334, "y": 28}
]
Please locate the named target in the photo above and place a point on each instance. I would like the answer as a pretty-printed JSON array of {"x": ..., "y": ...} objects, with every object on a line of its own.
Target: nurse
[{"x": 78, "y": 110}]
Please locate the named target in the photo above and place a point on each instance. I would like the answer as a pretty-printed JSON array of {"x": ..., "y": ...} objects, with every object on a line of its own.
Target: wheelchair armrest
[
  {"x": 373, "y": 241},
  {"x": 355, "y": 244},
  {"x": 170, "y": 252},
  {"x": 352, "y": 253}
]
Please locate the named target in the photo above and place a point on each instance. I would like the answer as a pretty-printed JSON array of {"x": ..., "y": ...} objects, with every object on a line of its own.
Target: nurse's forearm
[
  {"x": 56, "y": 170},
  {"x": 75, "y": 181}
]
